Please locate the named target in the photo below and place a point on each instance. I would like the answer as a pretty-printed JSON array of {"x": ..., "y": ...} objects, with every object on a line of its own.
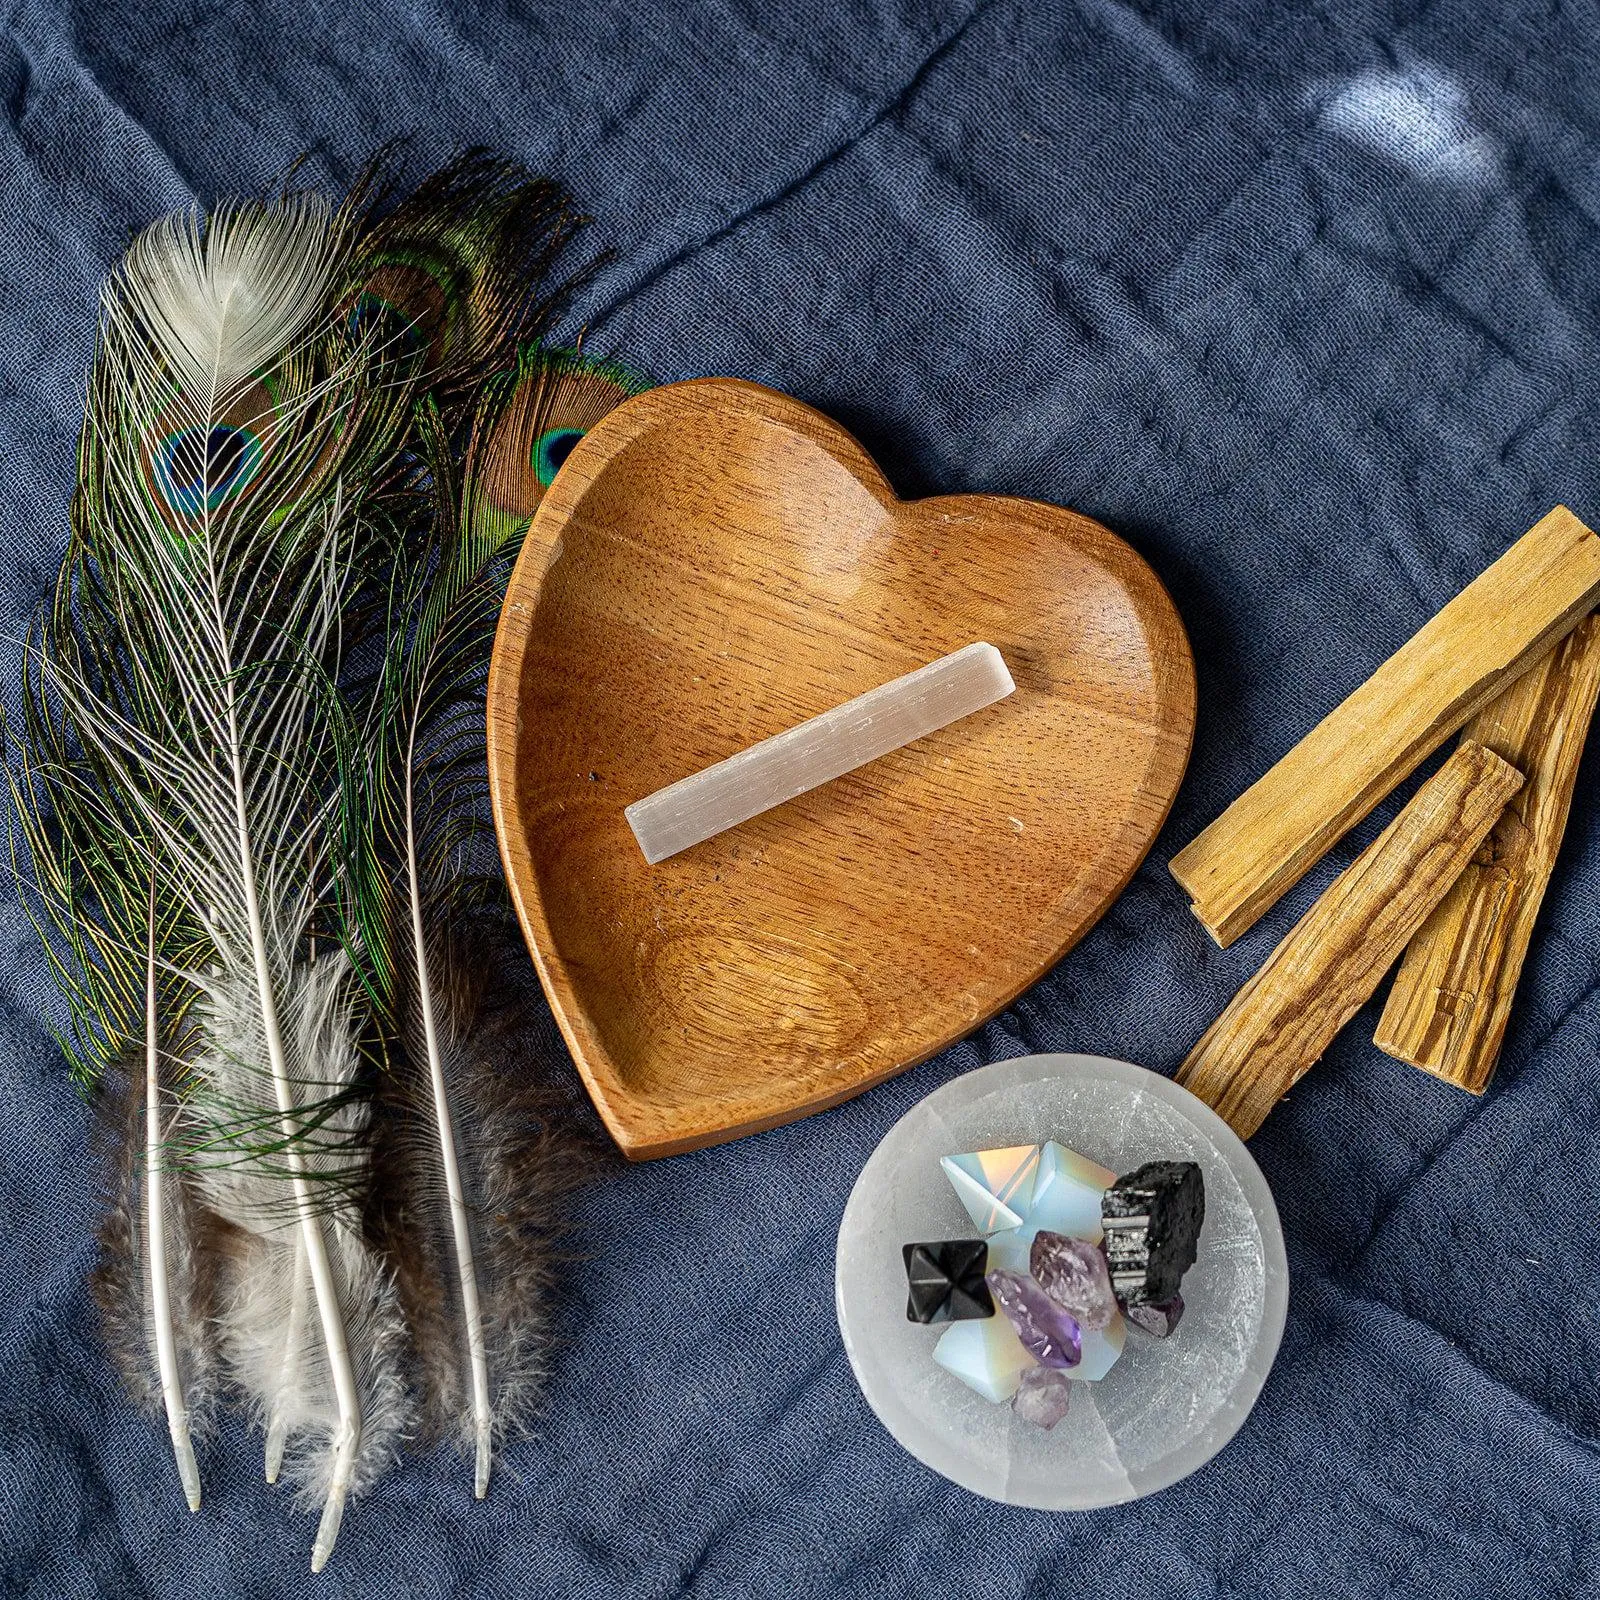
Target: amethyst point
[
  {"x": 1157, "y": 1320},
  {"x": 1074, "y": 1274},
  {"x": 1043, "y": 1396},
  {"x": 1047, "y": 1332}
]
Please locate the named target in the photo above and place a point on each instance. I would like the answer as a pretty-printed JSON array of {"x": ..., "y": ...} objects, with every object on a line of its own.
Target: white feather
[
  {"x": 223, "y": 298},
  {"x": 274, "y": 1350},
  {"x": 231, "y": 602}
]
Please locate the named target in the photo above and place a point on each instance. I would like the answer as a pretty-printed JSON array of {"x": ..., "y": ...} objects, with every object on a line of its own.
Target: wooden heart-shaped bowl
[{"x": 714, "y": 563}]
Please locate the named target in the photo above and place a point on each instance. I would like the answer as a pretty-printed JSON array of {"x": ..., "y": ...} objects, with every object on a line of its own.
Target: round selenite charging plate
[{"x": 1168, "y": 1405}]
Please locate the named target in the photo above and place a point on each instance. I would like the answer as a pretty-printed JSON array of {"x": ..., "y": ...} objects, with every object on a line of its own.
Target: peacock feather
[{"x": 459, "y": 1134}]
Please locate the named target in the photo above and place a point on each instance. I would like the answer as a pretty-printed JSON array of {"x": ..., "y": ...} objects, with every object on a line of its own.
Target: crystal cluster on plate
[{"x": 1071, "y": 1254}]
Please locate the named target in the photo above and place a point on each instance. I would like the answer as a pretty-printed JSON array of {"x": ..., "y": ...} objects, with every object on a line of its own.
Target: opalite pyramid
[
  {"x": 1066, "y": 1195},
  {"x": 986, "y": 1356},
  {"x": 996, "y": 1186},
  {"x": 1065, "y": 1198}
]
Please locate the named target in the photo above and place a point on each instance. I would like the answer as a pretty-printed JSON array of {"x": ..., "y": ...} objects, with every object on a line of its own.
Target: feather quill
[
  {"x": 155, "y": 1279},
  {"x": 163, "y": 1279},
  {"x": 154, "y": 1283}
]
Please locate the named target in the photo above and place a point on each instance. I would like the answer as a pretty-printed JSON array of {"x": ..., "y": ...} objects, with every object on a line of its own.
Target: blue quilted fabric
[{"x": 1301, "y": 300}]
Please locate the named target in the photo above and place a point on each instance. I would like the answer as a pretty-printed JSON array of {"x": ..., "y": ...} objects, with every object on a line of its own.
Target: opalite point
[
  {"x": 817, "y": 751},
  {"x": 987, "y": 1356},
  {"x": 1065, "y": 1198},
  {"x": 1100, "y": 1350},
  {"x": 996, "y": 1186},
  {"x": 1067, "y": 1193}
]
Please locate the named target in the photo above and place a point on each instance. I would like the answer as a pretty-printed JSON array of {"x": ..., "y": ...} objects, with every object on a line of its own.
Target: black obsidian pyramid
[
  {"x": 1152, "y": 1221},
  {"x": 946, "y": 1281}
]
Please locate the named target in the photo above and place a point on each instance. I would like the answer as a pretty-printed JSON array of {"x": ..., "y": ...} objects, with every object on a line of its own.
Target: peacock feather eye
[
  {"x": 373, "y": 316},
  {"x": 418, "y": 298},
  {"x": 558, "y": 396},
  {"x": 551, "y": 451},
  {"x": 198, "y": 469}
]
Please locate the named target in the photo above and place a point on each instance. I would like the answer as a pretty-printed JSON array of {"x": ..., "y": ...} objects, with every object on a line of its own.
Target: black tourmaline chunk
[
  {"x": 946, "y": 1281},
  {"x": 1152, "y": 1220}
]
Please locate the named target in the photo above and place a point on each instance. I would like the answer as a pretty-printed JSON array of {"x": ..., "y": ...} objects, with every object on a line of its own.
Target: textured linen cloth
[{"x": 1300, "y": 300}]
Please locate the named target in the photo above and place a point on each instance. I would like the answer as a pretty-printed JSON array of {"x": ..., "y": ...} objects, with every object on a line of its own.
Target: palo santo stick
[
  {"x": 1451, "y": 998},
  {"x": 1279, "y": 1024},
  {"x": 1501, "y": 623}
]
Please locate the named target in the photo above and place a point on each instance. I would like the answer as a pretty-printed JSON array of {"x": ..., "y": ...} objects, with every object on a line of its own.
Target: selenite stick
[{"x": 818, "y": 751}]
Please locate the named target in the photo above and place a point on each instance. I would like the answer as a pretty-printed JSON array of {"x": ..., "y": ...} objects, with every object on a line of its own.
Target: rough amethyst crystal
[
  {"x": 1043, "y": 1396},
  {"x": 1073, "y": 1273},
  {"x": 1047, "y": 1332},
  {"x": 1152, "y": 1219},
  {"x": 1158, "y": 1320}
]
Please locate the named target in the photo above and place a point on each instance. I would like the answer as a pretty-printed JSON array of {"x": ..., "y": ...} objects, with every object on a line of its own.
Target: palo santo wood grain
[
  {"x": 1451, "y": 998},
  {"x": 1466, "y": 655},
  {"x": 1281, "y": 1021}
]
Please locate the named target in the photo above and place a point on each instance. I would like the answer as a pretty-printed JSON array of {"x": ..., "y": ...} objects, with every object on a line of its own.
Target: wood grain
[
  {"x": 1451, "y": 999},
  {"x": 1331, "y": 962},
  {"x": 1497, "y": 627},
  {"x": 713, "y": 564}
]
